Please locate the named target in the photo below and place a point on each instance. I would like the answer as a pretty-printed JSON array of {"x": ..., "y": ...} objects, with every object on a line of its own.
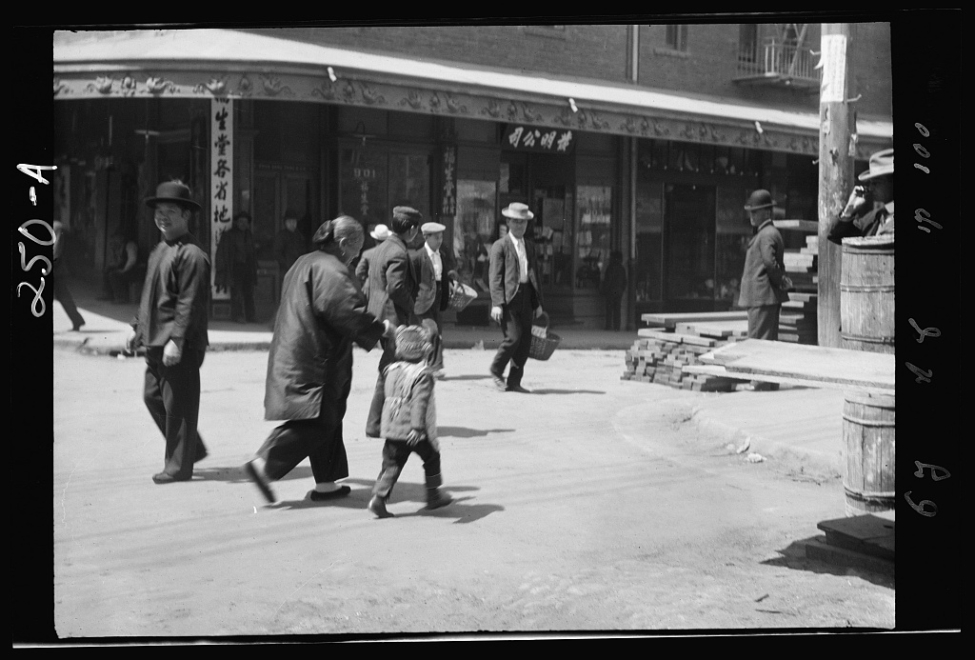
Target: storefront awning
[{"x": 201, "y": 63}]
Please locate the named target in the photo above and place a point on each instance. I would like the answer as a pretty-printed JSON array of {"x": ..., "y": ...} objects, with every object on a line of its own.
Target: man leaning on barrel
[{"x": 870, "y": 209}]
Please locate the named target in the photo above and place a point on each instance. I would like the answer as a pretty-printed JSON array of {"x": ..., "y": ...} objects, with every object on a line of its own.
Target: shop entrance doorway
[{"x": 689, "y": 244}]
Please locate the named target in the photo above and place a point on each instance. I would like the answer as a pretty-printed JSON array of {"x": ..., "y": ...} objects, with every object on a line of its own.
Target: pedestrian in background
[
  {"x": 613, "y": 287},
  {"x": 409, "y": 419},
  {"x": 764, "y": 284},
  {"x": 391, "y": 289},
  {"x": 515, "y": 297},
  {"x": 237, "y": 267},
  {"x": 379, "y": 233},
  {"x": 309, "y": 366},
  {"x": 870, "y": 209},
  {"x": 289, "y": 244},
  {"x": 172, "y": 326},
  {"x": 59, "y": 277},
  {"x": 434, "y": 276}
]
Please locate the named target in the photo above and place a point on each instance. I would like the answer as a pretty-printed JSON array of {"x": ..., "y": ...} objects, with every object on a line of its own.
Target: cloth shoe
[
  {"x": 317, "y": 496},
  {"x": 259, "y": 481},
  {"x": 378, "y": 506}
]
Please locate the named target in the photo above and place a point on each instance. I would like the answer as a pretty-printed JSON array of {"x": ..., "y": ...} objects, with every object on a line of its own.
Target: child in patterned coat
[{"x": 409, "y": 419}]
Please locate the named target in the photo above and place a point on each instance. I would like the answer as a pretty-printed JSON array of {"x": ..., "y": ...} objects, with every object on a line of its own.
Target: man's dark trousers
[
  {"x": 172, "y": 395},
  {"x": 763, "y": 322},
  {"x": 516, "y": 324},
  {"x": 319, "y": 440}
]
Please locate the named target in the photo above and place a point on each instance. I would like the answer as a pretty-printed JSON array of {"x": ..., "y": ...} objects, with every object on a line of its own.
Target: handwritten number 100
[{"x": 919, "y": 148}]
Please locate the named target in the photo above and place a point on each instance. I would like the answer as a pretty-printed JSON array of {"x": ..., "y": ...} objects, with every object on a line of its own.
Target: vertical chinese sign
[
  {"x": 448, "y": 206},
  {"x": 221, "y": 180}
]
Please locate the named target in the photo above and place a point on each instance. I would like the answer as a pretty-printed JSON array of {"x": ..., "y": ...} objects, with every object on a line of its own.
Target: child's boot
[
  {"x": 436, "y": 498},
  {"x": 378, "y": 506}
]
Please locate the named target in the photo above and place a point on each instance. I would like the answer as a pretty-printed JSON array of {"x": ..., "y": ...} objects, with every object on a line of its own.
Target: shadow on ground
[{"x": 794, "y": 557}]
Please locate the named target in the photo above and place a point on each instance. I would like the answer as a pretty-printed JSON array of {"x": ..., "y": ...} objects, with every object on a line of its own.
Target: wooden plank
[
  {"x": 838, "y": 366},
  {"x": 810, "y": 226},
  {"x": 671, "y": 320}
]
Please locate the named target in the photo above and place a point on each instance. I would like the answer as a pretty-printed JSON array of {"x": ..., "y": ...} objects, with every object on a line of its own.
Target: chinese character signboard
[
  {"x": 221, "y": 179},
  {"x": 448, "y": 206},
  {"x": 539, "y": 139}
]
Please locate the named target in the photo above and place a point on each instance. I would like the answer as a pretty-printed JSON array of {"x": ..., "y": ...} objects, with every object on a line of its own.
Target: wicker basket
[
  {"x": 544, "y": 342},
  {"x": 461, "y": 296}
]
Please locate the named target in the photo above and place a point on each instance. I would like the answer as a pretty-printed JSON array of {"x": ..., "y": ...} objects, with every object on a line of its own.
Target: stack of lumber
[
  {"x": 662, "y": 353},
  {"x": 810, "y": 366},
  {"x": 798, "y": 320}
]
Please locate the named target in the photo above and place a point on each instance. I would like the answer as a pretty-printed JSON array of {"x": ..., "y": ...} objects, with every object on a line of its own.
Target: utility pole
[{"x": 837, "y": 148}]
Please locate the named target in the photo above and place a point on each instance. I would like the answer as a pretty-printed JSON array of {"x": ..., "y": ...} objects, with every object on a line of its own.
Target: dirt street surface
[{"x": 593, "y": 504}]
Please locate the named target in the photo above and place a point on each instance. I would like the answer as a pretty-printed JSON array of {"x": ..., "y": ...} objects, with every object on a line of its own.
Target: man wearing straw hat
[
  {"x": 764, "y": 284},
  {"x": 870, "y": 208},
  {"x": 515, "y": 297},
  {"x": 434, "y": 276},
  {"x": 172, "y": 326}
]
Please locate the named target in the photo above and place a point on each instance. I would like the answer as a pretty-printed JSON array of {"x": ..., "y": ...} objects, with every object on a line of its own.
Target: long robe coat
[{"x": 322, "y": 312}]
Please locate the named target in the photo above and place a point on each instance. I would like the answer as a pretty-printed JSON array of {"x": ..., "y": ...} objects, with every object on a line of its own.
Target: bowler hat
[
  {"x": 517, "y": 210},
  {"x": 760, "y": 199},
  {"x": 173, "y": 191},
  {"x": 432, "y": 228},
  {"x": 380, "y": 232},
  {"x": 881, "y": 164}
]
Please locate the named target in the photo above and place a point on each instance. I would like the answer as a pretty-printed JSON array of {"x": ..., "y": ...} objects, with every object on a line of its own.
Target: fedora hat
[
  {"x": 881, "y": 164},
  {"x": 173, "y": 191},
  {"x": 517, "y": 210},
  {"x": 760, "y": 199},
  {"x": 380, "y": 232}
]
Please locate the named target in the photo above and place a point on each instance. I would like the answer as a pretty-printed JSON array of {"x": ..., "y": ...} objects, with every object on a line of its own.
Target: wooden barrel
[
  {"x": 868, "y": 445},
  {"x": 867, "y": 294}
]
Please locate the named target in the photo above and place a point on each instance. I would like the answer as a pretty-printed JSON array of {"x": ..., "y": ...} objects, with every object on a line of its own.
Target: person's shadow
[
  {"x": 361, "y": 494},
  {"x": 463, "y": 432}
]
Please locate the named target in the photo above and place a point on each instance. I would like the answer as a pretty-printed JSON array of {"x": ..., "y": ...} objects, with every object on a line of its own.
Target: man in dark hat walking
[
  {"x": 391, "y": 288},
  {"x": 764, "y": 284},
  {"x": 172, "y": 326},
  {"x": 870, "y": 208}
]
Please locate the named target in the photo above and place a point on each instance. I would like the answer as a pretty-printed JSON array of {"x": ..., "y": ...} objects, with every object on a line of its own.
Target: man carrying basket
[{"x": 515, "y": 297}]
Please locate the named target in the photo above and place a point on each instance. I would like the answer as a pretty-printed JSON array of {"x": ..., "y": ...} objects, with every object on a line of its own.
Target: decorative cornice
[{"x": 498, "y": 105}]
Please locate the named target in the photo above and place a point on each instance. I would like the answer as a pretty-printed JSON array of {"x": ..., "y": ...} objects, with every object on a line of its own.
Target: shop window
[
  {"x": 649, "y": 242},
  {"x": 594, "y": 206},
  {"x": 733, "y": 233},
  {"x": 677, "y": 37},
  {"x": 690, "y": 247},
  {"x": 552, "y": 234},
  {"x": 474, "y": 231}
]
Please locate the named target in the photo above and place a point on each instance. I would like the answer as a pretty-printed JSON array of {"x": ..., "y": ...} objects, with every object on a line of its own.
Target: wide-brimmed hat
[
  {"x": 432, "y": 228},
  {"x": 881, "y": 164},
  {"x": 517, "y": 210},
  {"x": 380, "y": 232},
  {"x": 173, "y": 191},
  {"x": 760, "y": 199}
]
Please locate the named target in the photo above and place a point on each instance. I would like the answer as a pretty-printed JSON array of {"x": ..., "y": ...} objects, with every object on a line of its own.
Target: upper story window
[
  {"x": 677, "y": 37},
  {"x": 748, "y": 43}
]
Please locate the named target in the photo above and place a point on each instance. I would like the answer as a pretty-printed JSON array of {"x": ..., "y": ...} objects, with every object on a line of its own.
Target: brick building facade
[{"x": 644, "y": 139}]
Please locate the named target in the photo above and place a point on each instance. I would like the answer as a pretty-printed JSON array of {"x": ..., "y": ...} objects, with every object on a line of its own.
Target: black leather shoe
[
  {"x": 518, "y": 388},
  {"x": 334, "y": 495},
  {"x": 165, "y": 478},
  {"x": 259, "y": 481}
]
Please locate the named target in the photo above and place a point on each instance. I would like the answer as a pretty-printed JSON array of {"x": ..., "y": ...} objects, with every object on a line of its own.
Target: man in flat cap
[
  {"x": 870, "y": 208},
  {"x": 391, "y": 290},
  {"x": 172, "y": 326},
  {"x": 764, "y": 284},
  {"x": 434, "y": 274},
  {"x": 515, "y": 297}
]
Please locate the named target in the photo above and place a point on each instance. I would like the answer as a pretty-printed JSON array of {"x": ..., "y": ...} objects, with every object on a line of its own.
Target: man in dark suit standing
[
  {"x": 434, "y": 275},
  {"x": 764, "y": 284},
  {"x": 515, "y": 297},
  {"x": 172, "y": 326},
  {"x": 391, "y": 290}
]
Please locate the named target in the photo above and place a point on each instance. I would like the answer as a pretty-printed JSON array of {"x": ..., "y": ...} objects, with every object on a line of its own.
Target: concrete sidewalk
[{"x": 796, "y": 423}]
